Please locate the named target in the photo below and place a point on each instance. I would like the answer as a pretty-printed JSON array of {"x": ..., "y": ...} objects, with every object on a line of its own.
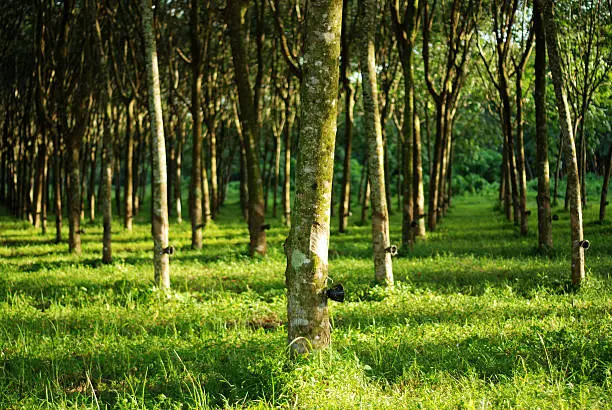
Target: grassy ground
[{"x": 477, "y": 319}]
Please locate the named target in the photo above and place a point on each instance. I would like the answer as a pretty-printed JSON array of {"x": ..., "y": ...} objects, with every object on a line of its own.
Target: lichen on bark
[{"x": 307, "y": 245}]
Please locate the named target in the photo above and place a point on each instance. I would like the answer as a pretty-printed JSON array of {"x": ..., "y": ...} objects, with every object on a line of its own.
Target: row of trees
[{"x": 237, "y": 83}]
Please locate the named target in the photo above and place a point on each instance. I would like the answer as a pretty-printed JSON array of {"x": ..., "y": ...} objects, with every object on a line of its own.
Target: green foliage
[{"x": 478, "y": 318}]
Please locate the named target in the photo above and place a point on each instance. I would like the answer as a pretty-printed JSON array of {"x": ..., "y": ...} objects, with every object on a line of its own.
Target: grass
[{"x": 478, "y": 319}]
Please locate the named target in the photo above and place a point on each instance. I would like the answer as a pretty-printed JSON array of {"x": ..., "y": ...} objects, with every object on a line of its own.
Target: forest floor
[{"x": 478, "y": 319}]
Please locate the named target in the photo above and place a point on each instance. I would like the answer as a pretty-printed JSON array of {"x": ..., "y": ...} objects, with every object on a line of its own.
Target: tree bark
[
  {"x": 159, "y": 191},
  {"x": 345, "y": 197},
  {"x": 107, "y": 154},
  {"x": 435, "y": 169},
  {"x": 383, "y": 270},
  {"x": 573, "y": 181},
  {"x": 408, "y": 151},
  {"x": 128, "y": 187},
  {"x": 235, "y": 12},
  {"x": 287, "y": 171},
  {"x": 419, "y": 195},
  {"x": 520, "y": 155},
  {"x": 604, "y": 187},
  {"x": 214, "y": 179},
  {"x": 308, "y": 242},
  {"x": 195, "y": 191},
  {"x": 545, "y": 240},
  {"x": 178, "y": 202}
]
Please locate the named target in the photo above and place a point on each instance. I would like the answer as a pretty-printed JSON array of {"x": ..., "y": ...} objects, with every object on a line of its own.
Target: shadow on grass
[{"x": 154, "y": 375}]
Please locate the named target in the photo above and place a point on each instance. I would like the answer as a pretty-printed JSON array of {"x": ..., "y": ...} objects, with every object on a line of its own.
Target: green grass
[{"x": 478, "y": 319}]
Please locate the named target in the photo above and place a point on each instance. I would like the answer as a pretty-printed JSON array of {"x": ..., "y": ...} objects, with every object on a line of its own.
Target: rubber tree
[
  {"x": 457, "y": 19},
  {"x": 349, "y": 104},
  {"x": 107, "y": 150},
  {"x": 405, "y": 29},
  {"x": 307, "y": 245},
  {"x": 248, "y": 100},
  {"x": 565, "y": 123},
  {"x": 383, "y": 270},
  {"x": 160, "y": 229},
  {"x": 545, "y": 240},
  {"x": 289, "y": 53},
  {"x": 603, "y": 202},
  {"x": 195, "y": 190}
]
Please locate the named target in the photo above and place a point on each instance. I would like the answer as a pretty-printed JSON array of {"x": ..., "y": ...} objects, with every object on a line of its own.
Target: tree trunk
[
  {"x": 345, "y": 197},
  {"x": 520, "y": 154},
  {"x": 235, "y": 12},
  {"x": 365, "y": 199},
  {"x": 178, "y": 202},
  {"x": 57, "y": 186},
  {"x": 408, "y": 151},
  {"x": 507, "y": 129},
  {"x": 604, "y": 187},
  {"x": 435, "y": 168},
  {"x": 573, "y": 181},
  {"x": 308, "y": 242},
  {"x": 287, "y": 176},
  {"x": 128, "y": 187},
  {"x": 557, "y": 173},
  {"x": 74, "y": 192},
  {"x": 244, "y": 185},
  {"x": 195, "y": 191},
  {"x": 383, "y": 270},
  {"x": 39, "y": 180},
  {"x": 544, "y": 213},
  {"x": 117, "y": 162},
  {"x": 206, "y": 214},
  {"x": 159, "y": 192},
  {"x": 277, "y": 156},
  {"x": 139, "y": 166},
  {"x": 91, "y": 188},
  {"x": 214, "y": 180},
  {"x": 419, "y": 195}
]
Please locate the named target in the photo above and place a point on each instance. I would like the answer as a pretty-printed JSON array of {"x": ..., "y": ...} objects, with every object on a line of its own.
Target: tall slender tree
[
  {"x": 383, "y": 270},
  {"x": 307, "y": 244},
  {"x": 248, "y": 100},
  {"x": 195, "y": 191},
  {"x": 160, "y": 229},
  {"x": 406, "y": 26},
  {"x": 565, "y": 123},
  {"x": 545, "y": 239}
]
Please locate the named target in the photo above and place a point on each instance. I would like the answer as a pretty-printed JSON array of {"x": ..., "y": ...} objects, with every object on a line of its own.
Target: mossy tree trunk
[
  {"x": 565, "y": 123},
  {"x": 308, "y": 241},
  {"x": 545, "y": 240},
  {"x": 158, "y": 149},
  {"x": 383, "y": 270}
]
